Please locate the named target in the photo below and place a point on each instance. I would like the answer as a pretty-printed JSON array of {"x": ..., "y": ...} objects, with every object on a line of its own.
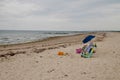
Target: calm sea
[{"x": 22, "y": 36}]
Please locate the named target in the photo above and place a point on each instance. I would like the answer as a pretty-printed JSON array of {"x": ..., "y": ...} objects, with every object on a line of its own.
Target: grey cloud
[{"x": 60, "y": 14}]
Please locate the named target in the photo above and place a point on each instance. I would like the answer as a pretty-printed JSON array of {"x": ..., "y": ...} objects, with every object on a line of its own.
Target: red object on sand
[{"x": 78, "y": 51}]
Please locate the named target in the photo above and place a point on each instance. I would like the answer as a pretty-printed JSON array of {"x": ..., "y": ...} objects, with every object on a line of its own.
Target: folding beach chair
[{"x": 87, "y": 51}]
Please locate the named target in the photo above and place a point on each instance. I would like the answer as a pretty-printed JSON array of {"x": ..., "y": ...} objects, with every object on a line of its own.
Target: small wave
[
  {"x": 14, "y": 37},
  {"x": 55, "y": 33},
  {"x": 5, "y": 39}
]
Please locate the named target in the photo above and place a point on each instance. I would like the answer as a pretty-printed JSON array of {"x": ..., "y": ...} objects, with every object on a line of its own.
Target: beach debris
[
  {"x": 113, "y": 51},
  {"x": 41, "y": 56},
  {"x": 53, "y": 48},
  {"x": 66, "y": 75},
  {"x": 51, "y": 70},
  {"x": 63, "y": 76},
  {"x": 39, "y": 50},
  {"x": 84, "y": 73},
  {"x": 64, "y": 46},
  {"x": 11, "y": 53},
  {"x": 66, "y": 54},
  {"x": 93, "y": 77},
  {"x": 36, "y": 61}
]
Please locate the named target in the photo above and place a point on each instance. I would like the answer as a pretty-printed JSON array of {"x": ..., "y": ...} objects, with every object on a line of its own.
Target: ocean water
[{"x": 22, "y": 36}]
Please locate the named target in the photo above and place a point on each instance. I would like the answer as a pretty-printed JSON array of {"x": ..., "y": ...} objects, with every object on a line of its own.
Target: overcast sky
[{"x": 60, "y": 14}]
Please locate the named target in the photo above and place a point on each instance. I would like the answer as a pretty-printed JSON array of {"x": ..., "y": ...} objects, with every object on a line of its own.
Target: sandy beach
[{"x": 39, "y": 60}]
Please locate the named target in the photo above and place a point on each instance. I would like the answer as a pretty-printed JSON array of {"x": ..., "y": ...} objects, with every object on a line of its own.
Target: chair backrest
[
  {"x": 88, "y": 50},
  {"x": 88, "y": 47},
  {"x": 90, "y": 53}
]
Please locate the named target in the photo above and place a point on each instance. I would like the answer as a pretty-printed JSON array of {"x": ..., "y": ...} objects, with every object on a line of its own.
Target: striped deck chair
[{"x": 88, "y": 50}]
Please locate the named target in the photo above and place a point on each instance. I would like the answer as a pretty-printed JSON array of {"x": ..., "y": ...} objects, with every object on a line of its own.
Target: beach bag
[{"x": 78, "y": 51}]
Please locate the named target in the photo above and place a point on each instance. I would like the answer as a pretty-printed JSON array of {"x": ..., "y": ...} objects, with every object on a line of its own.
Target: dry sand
[{"x": 39, "y": 60}]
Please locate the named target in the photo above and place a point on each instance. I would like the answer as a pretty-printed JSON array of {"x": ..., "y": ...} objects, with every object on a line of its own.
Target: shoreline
[
  {"x": 50, "y": 38},
  {"x": 39, "y": 40}
]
